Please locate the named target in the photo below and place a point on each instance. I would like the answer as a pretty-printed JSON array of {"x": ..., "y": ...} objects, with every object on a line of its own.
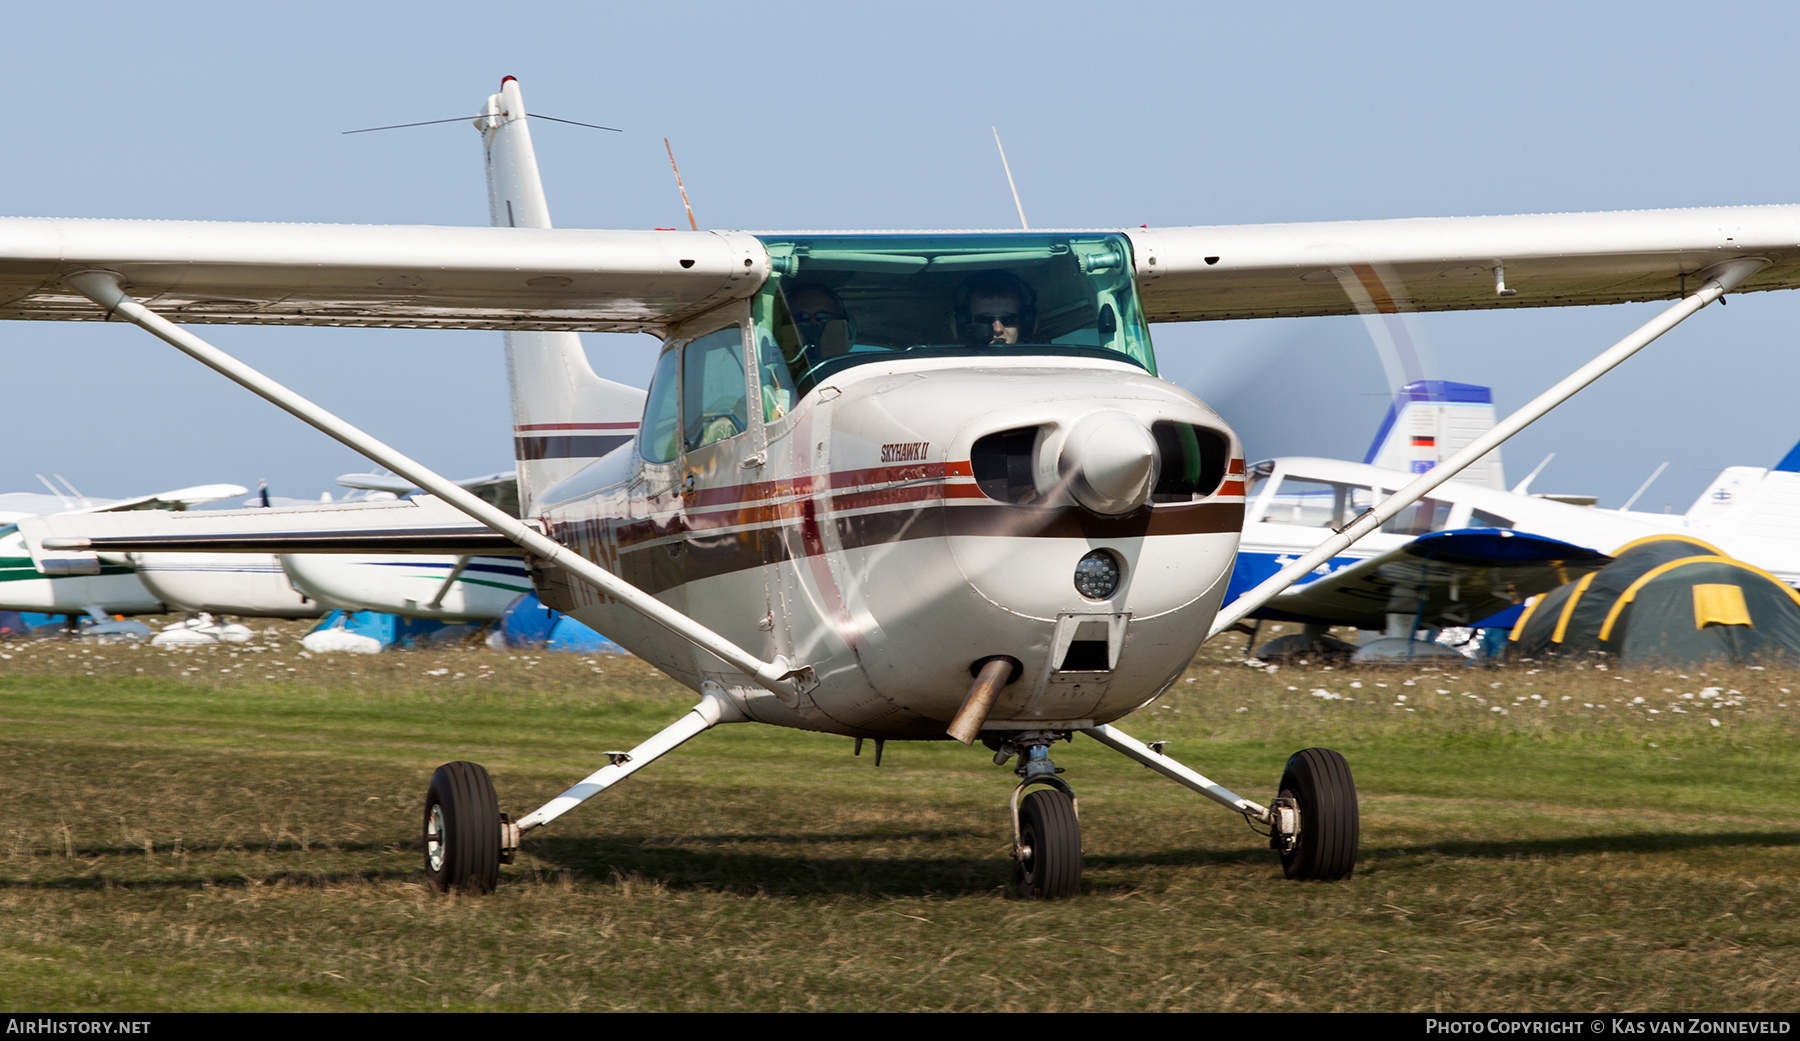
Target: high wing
[
  {"x": 423, "y": 524},
  {"x": 388, "y": 276},
  {"x": 1457, "y": 263},
  {"x": 1443, "y": 579},
  {"x": 541, "y": 278}
]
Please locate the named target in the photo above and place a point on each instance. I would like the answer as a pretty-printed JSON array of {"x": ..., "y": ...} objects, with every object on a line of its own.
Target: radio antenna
[
  {"x": 1009, "y": 180},
  {"x": 678, "y": 184}
]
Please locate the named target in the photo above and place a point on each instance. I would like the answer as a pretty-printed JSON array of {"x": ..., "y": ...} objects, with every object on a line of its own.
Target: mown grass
[{"x": 209, "y": 830}]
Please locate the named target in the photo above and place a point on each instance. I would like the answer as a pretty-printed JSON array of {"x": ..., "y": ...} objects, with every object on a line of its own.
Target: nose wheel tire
[
  {"x": 1318, "y": 780},
  {"x": 1048, "y": 865},
  {"x": 462, "y": 830}
]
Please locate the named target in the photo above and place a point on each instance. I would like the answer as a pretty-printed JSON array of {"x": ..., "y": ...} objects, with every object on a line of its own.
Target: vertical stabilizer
[
  {"x": 1431, "y": 420},
  {"x": 564, "y": 416}
]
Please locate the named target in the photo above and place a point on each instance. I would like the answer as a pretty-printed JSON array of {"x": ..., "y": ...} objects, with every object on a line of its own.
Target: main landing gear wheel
[
  {"x": 1318, "y": 781},
  {"x": 1049, "y": 855},
  {"x": 462, "y": 830}
]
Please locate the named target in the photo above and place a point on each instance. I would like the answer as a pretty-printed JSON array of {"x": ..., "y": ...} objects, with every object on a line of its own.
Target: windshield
[{"x": 836, "y": 301}]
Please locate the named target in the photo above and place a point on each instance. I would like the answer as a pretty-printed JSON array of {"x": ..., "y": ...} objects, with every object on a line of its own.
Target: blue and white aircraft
[{"x": 1472, "y": 552}]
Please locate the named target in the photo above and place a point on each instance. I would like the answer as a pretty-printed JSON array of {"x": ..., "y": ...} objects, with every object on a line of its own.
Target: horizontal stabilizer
[{"x": 1443, "y": 579}]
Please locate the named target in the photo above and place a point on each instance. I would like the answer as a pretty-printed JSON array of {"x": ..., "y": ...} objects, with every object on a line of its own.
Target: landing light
[{"x": 1097, "y": 575}]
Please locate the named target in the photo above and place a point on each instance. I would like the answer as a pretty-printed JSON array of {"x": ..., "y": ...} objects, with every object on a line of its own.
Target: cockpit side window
[
  {"x": 1317, "y": 504},
  {"x": 780, "y": 356},
  {"x": 1421, "y": 518},
  {"x": 657, "y": 434},
  {"x": 714, "y": 404}
]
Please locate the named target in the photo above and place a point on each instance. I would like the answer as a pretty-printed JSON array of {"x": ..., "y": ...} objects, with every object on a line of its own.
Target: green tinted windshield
[{"x": 835, "y": 301}]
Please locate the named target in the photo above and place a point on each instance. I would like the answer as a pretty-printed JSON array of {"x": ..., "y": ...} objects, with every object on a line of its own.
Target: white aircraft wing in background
[{"x": 423, "y": 524}]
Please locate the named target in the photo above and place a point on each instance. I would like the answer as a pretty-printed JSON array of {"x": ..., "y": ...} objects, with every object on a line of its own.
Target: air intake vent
[
  {"x": 1193, "y": 461},
  {"x": 1003, "y": 465}
]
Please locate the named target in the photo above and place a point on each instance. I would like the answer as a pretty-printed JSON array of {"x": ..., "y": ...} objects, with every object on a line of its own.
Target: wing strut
[
  {"x": 1722, "y": 279},
  {"x": 785, "y": 680}
]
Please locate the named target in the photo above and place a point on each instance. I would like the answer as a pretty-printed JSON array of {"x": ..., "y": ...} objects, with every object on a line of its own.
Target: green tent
[{"x": 1665, "y": 600}]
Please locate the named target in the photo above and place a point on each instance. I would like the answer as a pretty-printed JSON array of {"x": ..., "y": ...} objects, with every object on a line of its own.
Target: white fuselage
[
  {"x": 224, "y": 583},
  {"x": 445, "y": 588},
  {"x": 851, "y": 535}
]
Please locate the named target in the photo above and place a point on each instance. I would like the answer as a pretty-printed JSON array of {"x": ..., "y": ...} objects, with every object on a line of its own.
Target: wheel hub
[{"x": 434, "y": 837}]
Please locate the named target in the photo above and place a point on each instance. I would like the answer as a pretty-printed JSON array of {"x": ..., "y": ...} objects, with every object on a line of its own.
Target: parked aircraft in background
[
  {"x": 1472, "y": 552},
  {"x": 443, "y": 588},
  {"x": 89, "y": 585}
]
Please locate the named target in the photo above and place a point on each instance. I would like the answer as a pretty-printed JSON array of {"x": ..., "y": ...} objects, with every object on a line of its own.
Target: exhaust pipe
[{"x": 994, "y": 674}]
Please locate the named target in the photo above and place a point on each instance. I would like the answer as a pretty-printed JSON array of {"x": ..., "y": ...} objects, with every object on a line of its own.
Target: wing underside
[
  {"x": 385, "y": 276},
  {"x": 1458, "y": 263},
  {"x": 1444, "y": 579}
]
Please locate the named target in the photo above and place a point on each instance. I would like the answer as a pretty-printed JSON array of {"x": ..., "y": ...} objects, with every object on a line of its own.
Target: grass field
[{"x": 236, "y": 828}]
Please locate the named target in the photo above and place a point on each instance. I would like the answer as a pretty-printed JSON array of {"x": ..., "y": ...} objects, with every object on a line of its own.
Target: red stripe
[
  {"x": 840, "y": 479},
  {"x": 575, "y": 426}
]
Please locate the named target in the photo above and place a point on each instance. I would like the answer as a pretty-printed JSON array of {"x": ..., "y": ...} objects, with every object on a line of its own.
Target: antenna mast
[
  {"x": 678, "y": 184},
  {"x": 1009, "y": 180}
]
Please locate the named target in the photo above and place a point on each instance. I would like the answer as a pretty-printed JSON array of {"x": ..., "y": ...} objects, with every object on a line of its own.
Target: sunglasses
[
  {"x": 816, "y": 317},
  {"x": 1008, "y": 319}
]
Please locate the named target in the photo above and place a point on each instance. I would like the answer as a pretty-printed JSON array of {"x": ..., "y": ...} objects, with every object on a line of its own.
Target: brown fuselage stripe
[{"x": 532, "y": 447}]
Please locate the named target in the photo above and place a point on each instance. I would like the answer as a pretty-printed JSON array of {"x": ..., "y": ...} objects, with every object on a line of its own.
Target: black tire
[
  {"x": 1049, "y": 867},
  {"x": 1318, "y": 780},
  {"x": 462, "y": 830}
]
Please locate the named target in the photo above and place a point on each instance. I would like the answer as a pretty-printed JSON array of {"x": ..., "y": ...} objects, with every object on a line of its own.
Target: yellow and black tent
[{"x": 1665, "y": 600}]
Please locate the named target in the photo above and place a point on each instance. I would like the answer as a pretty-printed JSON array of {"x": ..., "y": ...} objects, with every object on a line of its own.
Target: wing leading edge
[
  {"x": 387, "y": 276},
  {"x": 1456, "y": 263},
  {"x": 562, "y": 279}
]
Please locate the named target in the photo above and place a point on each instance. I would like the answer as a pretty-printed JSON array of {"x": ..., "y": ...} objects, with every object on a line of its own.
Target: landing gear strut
[{"x": 1313, "y": 821}]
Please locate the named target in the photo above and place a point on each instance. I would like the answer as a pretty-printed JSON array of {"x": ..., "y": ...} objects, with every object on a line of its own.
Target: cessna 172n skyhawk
[{"x": 886, "y": 486}]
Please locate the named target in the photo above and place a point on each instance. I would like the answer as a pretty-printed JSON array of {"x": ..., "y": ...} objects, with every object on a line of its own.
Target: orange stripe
[{"x": 1378, "y": 292}]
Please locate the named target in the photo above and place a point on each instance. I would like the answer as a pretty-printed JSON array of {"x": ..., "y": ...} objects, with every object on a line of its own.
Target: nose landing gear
[{"x": 1046, "y": 823}]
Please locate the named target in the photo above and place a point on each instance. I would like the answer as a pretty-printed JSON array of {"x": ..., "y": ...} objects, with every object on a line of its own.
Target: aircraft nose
[{"x": 1110, "y": 461}]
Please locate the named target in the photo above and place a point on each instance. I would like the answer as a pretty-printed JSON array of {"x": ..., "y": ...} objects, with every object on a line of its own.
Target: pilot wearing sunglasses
[{"x": 996, "y": 308}]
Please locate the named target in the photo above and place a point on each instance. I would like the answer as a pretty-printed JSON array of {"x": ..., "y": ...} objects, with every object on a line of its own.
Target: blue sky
[{"x": 866, "y": 116}]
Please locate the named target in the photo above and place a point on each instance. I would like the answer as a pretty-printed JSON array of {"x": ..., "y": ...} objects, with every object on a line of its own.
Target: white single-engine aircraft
[{"x": 889, "y": 486}]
